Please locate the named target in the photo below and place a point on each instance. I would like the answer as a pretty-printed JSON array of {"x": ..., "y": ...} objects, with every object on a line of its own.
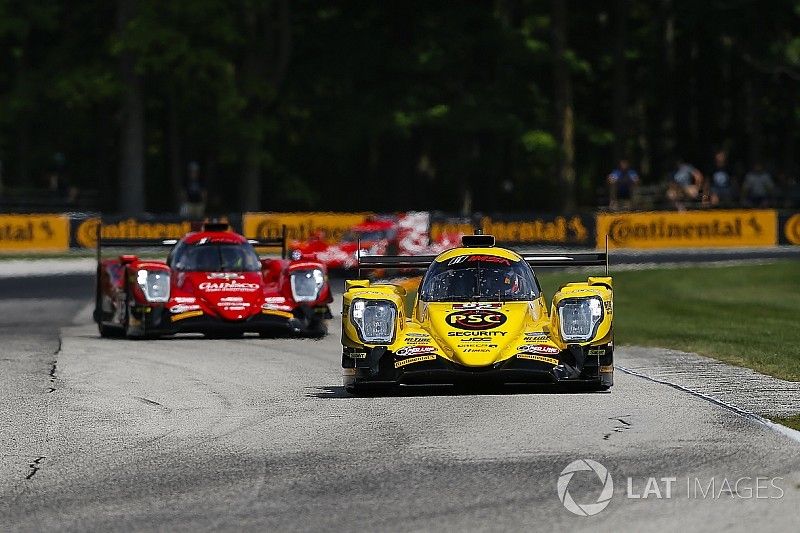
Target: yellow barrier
[
  {"x": 85, "y": 232},
  {"x": 21, "y": 233},
  {"x": 791, "y": 229},
  {"x": 688, "y": 229},
  {"x": 300, "y": 226}
]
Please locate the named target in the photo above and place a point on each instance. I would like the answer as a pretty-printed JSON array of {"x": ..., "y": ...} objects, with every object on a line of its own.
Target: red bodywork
[
  {"x": 225, "y": 303},
  {"x": 404, "y": 234}
]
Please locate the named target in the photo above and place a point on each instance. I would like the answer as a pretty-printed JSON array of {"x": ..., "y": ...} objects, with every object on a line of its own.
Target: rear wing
[
  {"x": 543, "y": 260},
  {"x": 274, "y": 242}
]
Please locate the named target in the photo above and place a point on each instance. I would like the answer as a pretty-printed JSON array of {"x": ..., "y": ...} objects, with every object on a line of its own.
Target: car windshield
[
  {"x": 212, "y": 257},
  {"x": 479, "y": 278}
]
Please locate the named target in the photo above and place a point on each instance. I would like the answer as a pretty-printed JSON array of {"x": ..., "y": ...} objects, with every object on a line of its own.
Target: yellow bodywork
[{"x": 525, "y": 329}]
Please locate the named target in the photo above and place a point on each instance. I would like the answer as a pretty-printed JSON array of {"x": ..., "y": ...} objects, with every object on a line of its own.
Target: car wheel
[{"x": 110, "y": 332}]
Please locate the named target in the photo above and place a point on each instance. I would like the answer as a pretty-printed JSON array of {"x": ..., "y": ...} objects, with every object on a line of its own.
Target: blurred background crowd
[{"x": 191, "y": 106}]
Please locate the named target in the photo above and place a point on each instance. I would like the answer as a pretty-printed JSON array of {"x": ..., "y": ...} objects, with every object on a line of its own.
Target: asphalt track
[{"x": 251, "y": 434}]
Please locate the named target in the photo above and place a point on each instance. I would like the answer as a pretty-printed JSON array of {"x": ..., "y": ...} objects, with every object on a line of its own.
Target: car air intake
[{"x": 477, "y": 241}]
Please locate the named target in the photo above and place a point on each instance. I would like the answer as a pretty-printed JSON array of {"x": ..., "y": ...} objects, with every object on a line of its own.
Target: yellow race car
[{"x": 479, "y": 316}]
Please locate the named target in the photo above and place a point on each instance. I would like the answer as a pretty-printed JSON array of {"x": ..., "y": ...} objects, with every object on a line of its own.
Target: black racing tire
[
  {"x": 317, "y": 329},
  {"x": 110, "y": 332}
]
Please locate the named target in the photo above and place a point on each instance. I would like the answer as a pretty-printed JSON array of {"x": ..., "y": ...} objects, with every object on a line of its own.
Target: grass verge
[
  {"x": 743, "y": 315},
  {"x": 792, "y": 421}
]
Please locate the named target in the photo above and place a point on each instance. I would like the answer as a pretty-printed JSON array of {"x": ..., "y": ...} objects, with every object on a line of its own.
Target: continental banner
[
  {"x": 562, "y": 230},
  {"x": 23, "y": 233},
  {"x": 84, "y": 230},
  {"x": 442, "y": 226},
  {"x": 688, "y": 229},
  {"x": 789, "y": 225},
  {"x": 300, "y": 226}
]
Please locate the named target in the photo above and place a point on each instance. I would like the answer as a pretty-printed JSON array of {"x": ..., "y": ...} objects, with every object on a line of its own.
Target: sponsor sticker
[
  {"x": 539, "y": 348},
  {"x": 791, "y": 229},
  {"x": 233, "y": 285},
  {"x": 600, "y": 351},
  {"x": 412, "y": 360},
  {"x": 415, "y": 350},
  {"x": 481, "y": 258},
  {"x": 224, "y": 275},
  {"x": 688, "y": 229},
  {"x": 473, "y": 333},
  {"x": 477, "y": 305},
  {"x": 479, "y": 319},
  {"x": 185, "y": 300},
  {"x": 536, "y": 336},
  {"x": 34, "y": 232},
  {"x": 182, "y": 308},
  {"x": 535, "y": 357}
]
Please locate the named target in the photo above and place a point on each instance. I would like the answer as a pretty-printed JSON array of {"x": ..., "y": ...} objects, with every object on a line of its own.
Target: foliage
[{"x": 393, "y": 105}]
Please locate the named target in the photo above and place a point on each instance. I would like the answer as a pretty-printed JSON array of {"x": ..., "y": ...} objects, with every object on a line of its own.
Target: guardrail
[{"x": 59, "y": 232}]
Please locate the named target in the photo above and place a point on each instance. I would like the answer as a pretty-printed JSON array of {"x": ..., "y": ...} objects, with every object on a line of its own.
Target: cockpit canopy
[
  {"x": 479, "y": 278},
  {"x": 214, "y": 257}
]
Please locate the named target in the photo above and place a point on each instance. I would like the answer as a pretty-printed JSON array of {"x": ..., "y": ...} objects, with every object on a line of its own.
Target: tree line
[{"x": 504, "y": 105}]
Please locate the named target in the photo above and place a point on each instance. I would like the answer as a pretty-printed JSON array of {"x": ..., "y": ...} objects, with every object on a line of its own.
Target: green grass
[
  {"x": 792, "y": 421},
  {"x": 743, "y": 315}
]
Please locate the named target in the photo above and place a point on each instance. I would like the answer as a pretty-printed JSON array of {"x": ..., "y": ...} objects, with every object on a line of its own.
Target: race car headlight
[
  {"x": 307, "y": 284},
  {"x": 374, "y": 320},
  {"x": 154, "y": 284},
  {"x": 578, "y": 318}
]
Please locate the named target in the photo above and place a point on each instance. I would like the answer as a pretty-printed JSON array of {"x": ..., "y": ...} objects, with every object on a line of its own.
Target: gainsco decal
[
  {"x": 539, "y": 348},
  {"x": 412, "y": 360},
  {"x": 407, "y": 351},
  {"x": 233, "y": 285},
  {"x": 479, "y": 319},
  {"x": 541, "y": 358},
  {"x": 477, "y": 305}
]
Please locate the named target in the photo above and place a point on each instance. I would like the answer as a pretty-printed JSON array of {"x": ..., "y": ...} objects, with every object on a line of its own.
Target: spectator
[
  {"x": 622, "y": 183},
  {"x": 758, "y": 187},
  {"x": 194, "y": 194},
  {"x": 720, "y": 187},
  {"x": 57, "y": 183},
  {"x": 685, "y": 185}
]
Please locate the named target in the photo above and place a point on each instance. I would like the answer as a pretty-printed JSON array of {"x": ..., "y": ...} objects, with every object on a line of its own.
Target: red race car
[
  {"x": 212, "y": 282},
  {"x": 402, "y": 234}
]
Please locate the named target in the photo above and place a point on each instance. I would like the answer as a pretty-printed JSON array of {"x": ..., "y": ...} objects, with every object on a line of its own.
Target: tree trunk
[
  {"x": 565, "y": 120},
  {"x": 176, "y": 167},
  {"x": 620, "y": 98},
  {"x": 267, "y": 59},
  {"x": 667, "y": 86},
  {"x": 131, "y": 181}
]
